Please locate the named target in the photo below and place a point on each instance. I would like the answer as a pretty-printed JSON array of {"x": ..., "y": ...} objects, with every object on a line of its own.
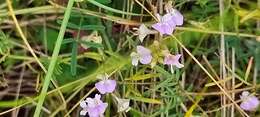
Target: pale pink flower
[
  {"x": 93, "y": 106},
  {"x": 105, "y": 85},
  {"x": 143, "y": 55},
  {"x": 170, "y": 59},
  {"x": 167, "y": 23}
]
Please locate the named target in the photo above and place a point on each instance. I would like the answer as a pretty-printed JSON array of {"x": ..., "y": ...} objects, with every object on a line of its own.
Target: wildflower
[
  {"x": 143, "y": 55},
  {"x": 250, "y": 102},
  {"x": 173, "y": 60},
  {"x": 165, "y": 24},
  {"x": 143, "y": 31},
  {"x": 93, "y": 106},
  {"x": 105, "y": 85},
  {"x": 168, "y": 22}
]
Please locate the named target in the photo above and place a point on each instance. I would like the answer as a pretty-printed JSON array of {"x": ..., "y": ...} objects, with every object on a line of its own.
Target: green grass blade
[
  {"x": 53, "y": 59},
  {"x": 112, "y": 9},
  {"x": 74, "y": 54}
]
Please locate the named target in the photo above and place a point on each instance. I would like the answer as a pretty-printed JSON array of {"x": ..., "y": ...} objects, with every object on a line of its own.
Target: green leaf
[
  {"x": 69, "y": 40},
  {"x": 91, "y": 44},
  {"x": 93, "y": 55},
  {"x": 51, "y": 36},
  {"x": 5, "y": 45},
  {"x": 147, "y": 100},
  {"x": 74, "y": 54}
]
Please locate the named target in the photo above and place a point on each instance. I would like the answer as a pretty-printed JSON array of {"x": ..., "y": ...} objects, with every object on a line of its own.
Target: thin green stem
[{"x": 53, "y": 59}]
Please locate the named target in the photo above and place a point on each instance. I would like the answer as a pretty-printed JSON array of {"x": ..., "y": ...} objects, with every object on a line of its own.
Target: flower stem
[{"x": 171, "y": 69}]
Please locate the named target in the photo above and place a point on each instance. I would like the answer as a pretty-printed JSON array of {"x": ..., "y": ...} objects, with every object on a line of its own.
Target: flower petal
[
  {"x": 93, "y": 112},
  {"x": 143, "y": 31},
  {"x": 146, "y": 59},
  {"x": 250, "y": 104},
  {"x": 245, "y": 106},
  {"x": 176, "y": 61},
  {"x": 98, "y": 110},
  {"x": 135, "y": 58},
  {"x": 123, "y": 105},
  {"x": 142, "y": 50},
  {"x": 169, "y": 59},
  {"x": 168, "y": 18},
  {"x": 135, "y": 61},
  {"x": 179, "y": 65},
  {"x": 91, "y": 102},
  {"x": 142, "y": 36},
  {"x": 102, "y": 108},
  {"x": 101, "y": 87},
  {"x": 173, "y": 60},
  {"x": 97, "y": 97},
  {"x": 144, "y": 54},
  {"x": 244, "y": 95},
  {"x": 110, "y": 85},
  {"x": 254, "y": 102},
  {"x": 163, "y": 28},
  {"x": 177, "y": 17},
  {"x": 83, "y": 112},
  {"x": 83, "y": 104}
]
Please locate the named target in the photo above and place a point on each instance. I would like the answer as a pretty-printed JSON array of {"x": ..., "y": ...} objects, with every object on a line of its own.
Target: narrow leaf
[
  {"x": 74, "y": 54},
  {"x": 147, "y": 100}
]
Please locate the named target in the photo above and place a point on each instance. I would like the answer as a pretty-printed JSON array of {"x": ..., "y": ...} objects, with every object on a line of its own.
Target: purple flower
[
  {"x": 249, "y": 102},
  {"x": 143, "y": 55},
  {"x": 105, "y": 85},
  {"x": 165, "y": 25},
  {"x": 170, "y": 59},
  {"x": 93, "y": 106},
  {"x": 168, "y": 22}
]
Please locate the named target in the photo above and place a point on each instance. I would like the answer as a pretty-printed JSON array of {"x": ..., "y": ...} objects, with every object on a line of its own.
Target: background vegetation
[{"x": 219, "y": 41}]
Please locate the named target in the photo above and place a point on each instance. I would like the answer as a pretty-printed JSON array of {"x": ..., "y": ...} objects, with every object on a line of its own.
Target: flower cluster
[
  {"x": 95, "y": 107},
  {"x": 165, "y": 25},
  {"x": 144, "y": 55}
]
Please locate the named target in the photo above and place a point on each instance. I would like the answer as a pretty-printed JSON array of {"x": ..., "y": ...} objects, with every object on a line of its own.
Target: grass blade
[{"x": 53, "y": 59}]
